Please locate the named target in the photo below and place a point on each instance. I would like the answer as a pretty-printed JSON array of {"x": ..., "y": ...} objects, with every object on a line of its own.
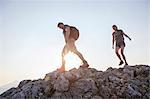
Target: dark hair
[
  {"x": 59, "y": 24},
  {"x": 114, "y": 26}
]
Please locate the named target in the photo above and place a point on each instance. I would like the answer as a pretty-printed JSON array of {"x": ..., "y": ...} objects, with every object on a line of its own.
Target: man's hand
[
  {"x": 113, "y": 47},
  {"x": 129, "y": 38}
]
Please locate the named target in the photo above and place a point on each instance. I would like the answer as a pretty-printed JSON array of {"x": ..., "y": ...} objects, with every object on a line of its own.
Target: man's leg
[
  {"x": 74, "y": 50},
  {"x": 117, "y": 53},
  {"x": 123, "y": 56},
  {"x": 64, "y": 52},
  {"x": 80, "y": 56}
]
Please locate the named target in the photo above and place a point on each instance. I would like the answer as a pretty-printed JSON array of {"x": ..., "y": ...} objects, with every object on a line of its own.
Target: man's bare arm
[
  {"x": 112, "y": 41},
  {"x": 67, "y": 33},
  {"x": 127, "y": 36}
]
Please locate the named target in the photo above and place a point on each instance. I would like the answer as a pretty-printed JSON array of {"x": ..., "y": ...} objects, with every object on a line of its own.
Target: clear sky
[{"x": 31, "y": 43}]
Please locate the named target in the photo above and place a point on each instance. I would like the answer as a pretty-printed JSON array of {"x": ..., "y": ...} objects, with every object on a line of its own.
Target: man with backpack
[
  {"x": 71, "y": 34},
  {"x": 118, "y": 37}
]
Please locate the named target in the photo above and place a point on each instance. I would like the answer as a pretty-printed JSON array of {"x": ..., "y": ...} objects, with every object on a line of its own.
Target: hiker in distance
[
  {"x": 71, "y": 34},
  {"x": 118, "y": 38}
]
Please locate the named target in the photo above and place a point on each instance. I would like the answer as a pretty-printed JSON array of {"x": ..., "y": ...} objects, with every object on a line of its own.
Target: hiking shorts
[
  {"x": 70, "y": 46},
  {"x": 120, "y": 44}
]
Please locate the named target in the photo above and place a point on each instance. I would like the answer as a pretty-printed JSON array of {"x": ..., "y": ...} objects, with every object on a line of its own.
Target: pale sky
[{"x": 31, "y": 43}]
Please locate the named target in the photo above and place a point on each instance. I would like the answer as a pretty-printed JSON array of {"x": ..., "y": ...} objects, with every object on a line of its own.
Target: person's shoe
[
  {"x": 126, "y": 63},
  {"x": 61, "y": 69},
  {"x": 121, "y": 62},
  {"x": 85, "y": 64}
]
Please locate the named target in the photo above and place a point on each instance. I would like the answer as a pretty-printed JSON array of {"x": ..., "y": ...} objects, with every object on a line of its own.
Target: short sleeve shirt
[{"x": 118, "y": 36}]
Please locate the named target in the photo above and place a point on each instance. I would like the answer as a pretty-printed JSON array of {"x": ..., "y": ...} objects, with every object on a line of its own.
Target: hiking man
[
  {"x": 71, "y": 34},
  {"x": 118, "y": 37}
]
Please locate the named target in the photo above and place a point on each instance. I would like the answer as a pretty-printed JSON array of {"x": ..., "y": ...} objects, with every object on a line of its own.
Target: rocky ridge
[{"x": 129, "y": 82}]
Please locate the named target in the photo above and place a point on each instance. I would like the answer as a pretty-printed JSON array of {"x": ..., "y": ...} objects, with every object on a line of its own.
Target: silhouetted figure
[
  {"x": 71, "y": 34},
  {"x": 118, "y": 37}
]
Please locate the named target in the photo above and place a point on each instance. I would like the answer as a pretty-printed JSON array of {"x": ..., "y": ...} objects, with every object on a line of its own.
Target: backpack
[{"x": 74, "y": 33}]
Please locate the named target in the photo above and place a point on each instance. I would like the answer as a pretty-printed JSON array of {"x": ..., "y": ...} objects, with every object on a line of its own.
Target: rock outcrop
[{"x": 129, "y": 82}]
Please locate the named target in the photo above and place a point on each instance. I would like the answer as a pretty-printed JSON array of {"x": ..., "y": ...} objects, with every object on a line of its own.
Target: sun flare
[{"x": 72, "y": 61}]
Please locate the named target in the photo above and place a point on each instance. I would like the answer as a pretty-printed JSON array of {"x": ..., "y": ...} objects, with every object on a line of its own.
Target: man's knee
[
  {"x": 122, "y": 51},
  {"x": 63, "y": 54},
  {"x": 116, "y": 52}
]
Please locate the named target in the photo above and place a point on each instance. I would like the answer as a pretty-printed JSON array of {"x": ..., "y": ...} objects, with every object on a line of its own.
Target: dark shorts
[{"x": 120, "y": 44}]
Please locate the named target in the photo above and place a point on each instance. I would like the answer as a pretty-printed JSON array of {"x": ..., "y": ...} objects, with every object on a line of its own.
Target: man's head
[
  {"x": 60, "y": 25},
  {"x": 115, "y": 27}
]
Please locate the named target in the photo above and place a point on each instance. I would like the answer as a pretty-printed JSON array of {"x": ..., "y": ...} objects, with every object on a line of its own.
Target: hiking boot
[
  {"x": 61, "y": 69},
  {"x": 121, "y": 62},
  {"x": 126, "y": 63},
  {"x": 85, "y": 64}
]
